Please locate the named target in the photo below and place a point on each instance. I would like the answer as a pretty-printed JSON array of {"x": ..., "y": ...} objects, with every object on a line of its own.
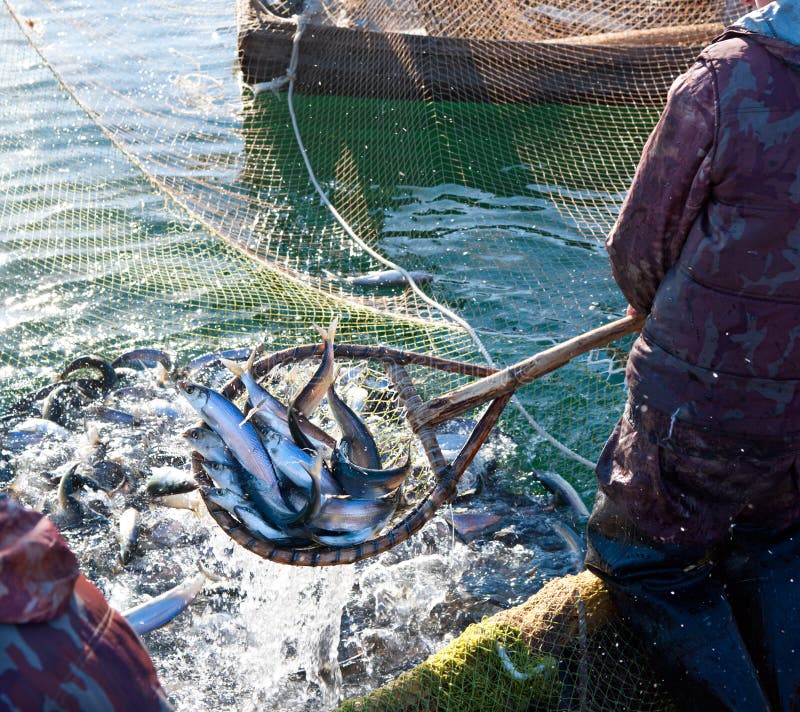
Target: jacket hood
[
  {"x": 780, "y": 20},
  {"x": 37, "y": 569}
]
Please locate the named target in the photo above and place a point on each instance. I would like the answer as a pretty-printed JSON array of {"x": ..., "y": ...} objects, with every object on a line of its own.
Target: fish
[
  {"x": 105, "y": 414},
  {"x": 381, "y": 279},
  {"x": 275, "y": 515},
  {"x": 362, "y": 448},
  {"x": 362, "y": 482},
  {"x": 260, "y": 528},
  {"x": 31, "y": 432},
  {"x": 210, "y": 445},
  {"x": 561, "y": 488},
  {"x": 160, "y": 610},
  {"x": 65, "y": 405},
  {"x": 311, "y": 395},
  {"x": 224, "y": 475},
  {"x": 108, "y": 376},
  {"x": 293, "y": 462},
  {"x": 241, "y": 438},
  {"x": 184, "y": 500},
  {"x": 128, "y": 534},
  {"x": 342, "y": 513},
  {"x": 348, "y": 538},
  {"x": 226, "y": 498},
  {"x": 148, "y": 357},
  {"x": 215, "y": 357},
  {"x": 70, "y": 483},
  {"x": 573, "y": 542},
  {"x": 168, "y": 480},
  {"x": 269, "y": 411}
]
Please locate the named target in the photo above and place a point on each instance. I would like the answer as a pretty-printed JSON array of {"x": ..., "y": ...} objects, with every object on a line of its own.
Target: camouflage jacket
[
  {"x": 61, "y": 646},
  {"x": 708, "y": 243}
]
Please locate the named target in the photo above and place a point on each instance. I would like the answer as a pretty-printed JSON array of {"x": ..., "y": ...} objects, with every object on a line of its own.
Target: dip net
[{"x": 212, "y": 176}]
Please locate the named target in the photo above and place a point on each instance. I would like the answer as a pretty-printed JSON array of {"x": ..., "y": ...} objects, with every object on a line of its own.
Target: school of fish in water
[{"x": 100, "y": 451}]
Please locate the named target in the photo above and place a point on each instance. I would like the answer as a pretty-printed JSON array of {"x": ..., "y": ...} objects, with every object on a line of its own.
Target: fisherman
[
  {"x": 61, "y": 645},
  {"x": 696, "y": 524}
]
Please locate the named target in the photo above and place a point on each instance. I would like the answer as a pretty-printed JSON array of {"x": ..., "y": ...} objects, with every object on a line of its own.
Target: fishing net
[
  {"x": 213, "y": 176},
  {"x": 561, "y": 649}
]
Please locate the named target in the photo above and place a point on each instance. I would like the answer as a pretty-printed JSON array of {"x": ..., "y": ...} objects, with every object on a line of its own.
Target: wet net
[
  {"x": 558, "y": 650},
  {"x": 213, "y": 176}
]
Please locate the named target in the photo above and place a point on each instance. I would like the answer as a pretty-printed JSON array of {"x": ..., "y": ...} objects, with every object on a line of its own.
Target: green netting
[
  {"x": 155, "y": 192},
  {"x": 562, "y": 649}
]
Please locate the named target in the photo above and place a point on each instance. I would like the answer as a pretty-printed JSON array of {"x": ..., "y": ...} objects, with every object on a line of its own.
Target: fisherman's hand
[{"x": 630, "y": 311}]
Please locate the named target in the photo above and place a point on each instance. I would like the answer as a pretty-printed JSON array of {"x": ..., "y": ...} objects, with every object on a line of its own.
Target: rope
[{"x": 290, "y": 76}]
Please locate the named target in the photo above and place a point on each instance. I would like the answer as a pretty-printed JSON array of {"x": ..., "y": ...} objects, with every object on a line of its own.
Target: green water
[{"x": 506, "y": 205}]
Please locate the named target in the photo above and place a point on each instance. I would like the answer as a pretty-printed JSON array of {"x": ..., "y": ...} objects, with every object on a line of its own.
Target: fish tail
[
  {"x": 248, "y": 366},
  {"x": 232, "y": 366},
  {"x": 329, "y": 333}
]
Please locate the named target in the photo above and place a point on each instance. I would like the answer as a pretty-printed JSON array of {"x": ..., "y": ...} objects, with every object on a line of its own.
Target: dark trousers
[{"x": 722, "y": 622}]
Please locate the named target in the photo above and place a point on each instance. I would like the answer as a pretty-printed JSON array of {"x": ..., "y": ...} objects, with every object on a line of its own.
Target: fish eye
[{"x": 190, "y": 388}]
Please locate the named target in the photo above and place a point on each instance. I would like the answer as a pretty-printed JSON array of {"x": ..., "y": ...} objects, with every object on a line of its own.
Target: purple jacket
[{"x": 708, "y": 242}]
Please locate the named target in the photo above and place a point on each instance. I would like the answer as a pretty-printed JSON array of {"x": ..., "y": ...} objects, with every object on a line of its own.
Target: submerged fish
[
  {"x": 561, "y": 488},
  {"x": 163, "y": 608},
  {"x": 313, "y": 392},
  {"x": 389, "y": 278},
  {"x": 128, "y": 534},
  {"x": 169, "y": 480}
]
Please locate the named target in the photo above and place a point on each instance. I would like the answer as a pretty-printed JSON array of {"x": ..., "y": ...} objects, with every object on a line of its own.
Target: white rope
[{"x": 291, "y": 74}]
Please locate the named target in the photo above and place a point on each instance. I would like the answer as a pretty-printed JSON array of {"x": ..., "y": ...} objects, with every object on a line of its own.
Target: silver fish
[
  {"x": 313, "y": 392},
  {"x": 128, "y": 534},
  {"x": 226, "y": 498},
  {"x": 388, "y": 278},
  {"x": 224, "y": 476},
  {"x": 163, "y": 608},
  {"x": 362, "y": 448},
  {"x": 242, "y": 439},
  {"x": 260, "y": 528},
  {"x": 561, "y": 488},
  {"x": 269, "y": 412},
  {"x": 363, "y": 482},
  {"x": 341, "y": 513},
  {"x": 293, "y": 462},
  {"x": 208, "y": 444},
  {"x": 184, "y": 500},
  {"x": 349, "y": 538},
  {"x": 169, "y": 480}
]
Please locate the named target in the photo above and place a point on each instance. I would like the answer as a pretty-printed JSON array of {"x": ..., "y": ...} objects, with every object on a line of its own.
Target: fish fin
[
  {"x": 232, "y": 366},
  {"x": 255, "y": 409}
]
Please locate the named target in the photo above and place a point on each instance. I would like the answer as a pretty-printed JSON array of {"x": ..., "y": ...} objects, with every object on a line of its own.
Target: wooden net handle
[{"x": 465, "y": 398}]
